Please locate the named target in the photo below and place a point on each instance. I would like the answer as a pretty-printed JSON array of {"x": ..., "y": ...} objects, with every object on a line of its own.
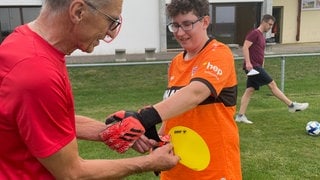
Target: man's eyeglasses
[
  {"x": 115, "y": 23},
  {"x": 186, "y": 25}
]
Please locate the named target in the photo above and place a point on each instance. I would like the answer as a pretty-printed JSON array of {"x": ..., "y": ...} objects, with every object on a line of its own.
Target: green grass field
[{"x": 275, "y": 147}]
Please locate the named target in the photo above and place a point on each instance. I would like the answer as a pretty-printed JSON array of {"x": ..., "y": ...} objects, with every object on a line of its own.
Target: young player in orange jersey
[{"x": 199, "y": 102}]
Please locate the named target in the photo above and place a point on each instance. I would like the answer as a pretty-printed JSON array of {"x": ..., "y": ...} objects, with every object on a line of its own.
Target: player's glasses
[
  {"x": 115, "y": 25},
  {"x": 185, "y": 26}
]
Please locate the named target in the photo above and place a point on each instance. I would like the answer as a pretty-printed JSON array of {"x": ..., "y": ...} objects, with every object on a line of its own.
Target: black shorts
[{"x": 258, "y": 80}]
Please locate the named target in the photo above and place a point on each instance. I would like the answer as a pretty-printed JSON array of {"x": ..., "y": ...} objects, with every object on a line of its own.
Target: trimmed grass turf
[{"x": 274, "y": 147}]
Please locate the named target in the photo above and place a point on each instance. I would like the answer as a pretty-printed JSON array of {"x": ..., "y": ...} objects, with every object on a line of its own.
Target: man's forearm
[{"x": 88, "y": 128}]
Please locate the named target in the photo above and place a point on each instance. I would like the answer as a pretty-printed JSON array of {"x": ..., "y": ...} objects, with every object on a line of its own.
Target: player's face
[{"x": 188, "y": 29}]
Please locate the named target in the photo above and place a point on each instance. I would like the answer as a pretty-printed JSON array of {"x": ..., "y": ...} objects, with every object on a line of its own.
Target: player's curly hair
[{"x": 199, "y": 7}]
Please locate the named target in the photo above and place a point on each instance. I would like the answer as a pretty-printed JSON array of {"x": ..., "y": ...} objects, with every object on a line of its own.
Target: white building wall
[
  {"x": 309, "y": 27},
  {"x": 289, "y": 19},
  {"x": 144, "y": 24},
  {"x": 140, "y": 29},
  {"x": 20, "y": 2}
]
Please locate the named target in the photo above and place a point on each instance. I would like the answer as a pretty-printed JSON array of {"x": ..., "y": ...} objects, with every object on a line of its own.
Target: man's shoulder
[
  {"x": 252, "y": 35},
  {"x": 253, "y": 32}
]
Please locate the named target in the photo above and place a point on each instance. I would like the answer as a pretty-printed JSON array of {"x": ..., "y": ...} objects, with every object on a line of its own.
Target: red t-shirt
[
  {"x": 36, "y": 105},
  {"x": 213, "y": 119}
]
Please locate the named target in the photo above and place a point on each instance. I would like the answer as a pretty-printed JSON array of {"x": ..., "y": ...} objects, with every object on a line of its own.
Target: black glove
[{"x": 148, "y": 117}]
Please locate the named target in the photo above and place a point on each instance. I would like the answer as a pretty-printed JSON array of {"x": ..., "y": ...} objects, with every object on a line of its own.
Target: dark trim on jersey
[
  {"x": 228, "y": 95},
  {"x": 209, "y": 40},
  {"x": 170, "y": 91}
]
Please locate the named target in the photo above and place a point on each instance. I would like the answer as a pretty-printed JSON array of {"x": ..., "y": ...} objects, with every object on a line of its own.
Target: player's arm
[
  {"x": 67, "y": 164},
  {"x": 183, "y": 100},
  {"x": 162, "y": 129},
  {"x": 246, "y": 54}
]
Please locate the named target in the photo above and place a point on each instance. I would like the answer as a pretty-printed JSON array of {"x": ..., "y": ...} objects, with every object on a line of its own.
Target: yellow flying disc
[{"x": 191, "y": 148}]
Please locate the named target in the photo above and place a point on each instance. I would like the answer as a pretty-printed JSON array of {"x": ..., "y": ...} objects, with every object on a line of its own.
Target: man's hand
[
  {"x": 249, "y": 66},
  {"x": 164, "y": 158},
  {"x": 121, "y": 135}
]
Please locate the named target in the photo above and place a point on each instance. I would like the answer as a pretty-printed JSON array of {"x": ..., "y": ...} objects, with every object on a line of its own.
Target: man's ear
[{"x": 77, "y": 10}]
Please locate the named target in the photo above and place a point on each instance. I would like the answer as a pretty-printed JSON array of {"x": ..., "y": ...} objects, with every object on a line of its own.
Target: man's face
[
  {"x": 97, "y": 24},
  {"x": 268, "y": 25}
]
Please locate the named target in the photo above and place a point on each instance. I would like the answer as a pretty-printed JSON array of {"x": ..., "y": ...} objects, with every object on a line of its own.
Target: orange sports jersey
[{"x": 212, "y": 119}]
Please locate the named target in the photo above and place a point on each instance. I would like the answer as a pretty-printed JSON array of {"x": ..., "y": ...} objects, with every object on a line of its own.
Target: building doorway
[{"x": 276, "y": 29}]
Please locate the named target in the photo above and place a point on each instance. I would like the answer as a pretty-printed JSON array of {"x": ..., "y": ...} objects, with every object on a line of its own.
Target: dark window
[
  {"x": 11, "y": 17},
  {"x": 230, "y": 22}
]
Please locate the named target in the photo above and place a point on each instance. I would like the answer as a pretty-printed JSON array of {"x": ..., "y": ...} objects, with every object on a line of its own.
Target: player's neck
[{"x": 192, "y": 53}]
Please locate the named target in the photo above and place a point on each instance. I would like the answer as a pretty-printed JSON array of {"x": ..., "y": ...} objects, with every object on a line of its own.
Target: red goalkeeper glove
[
  {"x": 145, "y": 120},
  {"x": 121, "y": 135}
]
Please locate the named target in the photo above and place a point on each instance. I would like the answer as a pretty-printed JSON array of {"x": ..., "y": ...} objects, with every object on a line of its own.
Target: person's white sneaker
[
  {"x": 298, "y": 107},
  {"x": 243, "y": 119}
]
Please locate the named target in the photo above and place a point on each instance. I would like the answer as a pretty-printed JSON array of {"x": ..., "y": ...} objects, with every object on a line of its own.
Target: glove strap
[
  {"x": 152, "y": 133},
  {"x": 149, "y": 117}
]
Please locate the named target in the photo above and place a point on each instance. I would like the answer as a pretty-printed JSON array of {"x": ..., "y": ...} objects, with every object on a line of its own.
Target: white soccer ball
[{"x": 313, "y": 128}]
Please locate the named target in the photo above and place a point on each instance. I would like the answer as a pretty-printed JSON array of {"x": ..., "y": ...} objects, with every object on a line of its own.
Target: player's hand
[
  {"x": 143, "y": 144},
  {"x": 125, "y": 131},
  {"x": 164, "y": 158},
  {"x": 148, "y": 117}
]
